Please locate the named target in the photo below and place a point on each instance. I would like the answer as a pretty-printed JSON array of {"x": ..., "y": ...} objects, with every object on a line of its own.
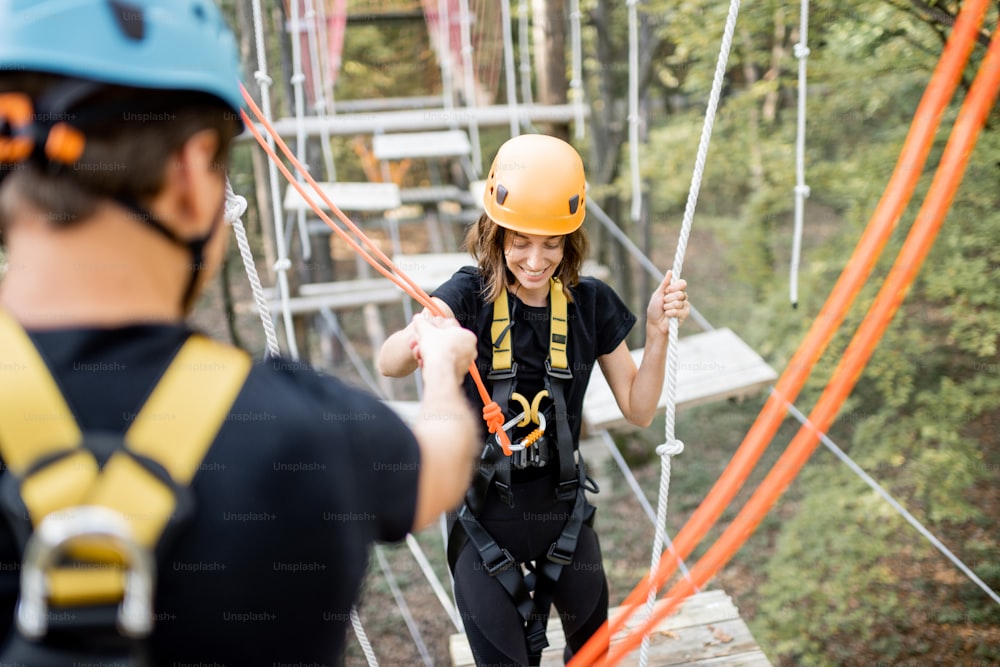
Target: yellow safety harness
[
  {"x": 504, "y": 367},
  {"x": 532, "y": 598},
  {"x": 92, "y": 525}
]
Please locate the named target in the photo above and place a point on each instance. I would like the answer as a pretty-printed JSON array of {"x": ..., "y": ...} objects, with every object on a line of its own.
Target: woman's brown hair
[{"x": 486, "y": 241}]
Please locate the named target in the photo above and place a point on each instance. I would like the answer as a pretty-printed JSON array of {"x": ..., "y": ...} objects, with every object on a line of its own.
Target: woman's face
[{"x": 533, "y": 259}]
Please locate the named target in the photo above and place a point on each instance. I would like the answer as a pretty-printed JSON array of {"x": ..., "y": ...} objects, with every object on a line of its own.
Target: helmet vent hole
[
  {"x": 130, "y": 18},
  {"x": 574, "y": 204},
  {"x": 501, "y": 194},
  {"x": 199, "y": 11}
]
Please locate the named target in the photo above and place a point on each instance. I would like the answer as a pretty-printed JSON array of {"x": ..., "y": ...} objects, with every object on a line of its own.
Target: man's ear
[{"x": 193, "y": 186}]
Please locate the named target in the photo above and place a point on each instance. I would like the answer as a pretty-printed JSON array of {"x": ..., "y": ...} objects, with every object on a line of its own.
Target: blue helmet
[{"x": 159, "y": 44}]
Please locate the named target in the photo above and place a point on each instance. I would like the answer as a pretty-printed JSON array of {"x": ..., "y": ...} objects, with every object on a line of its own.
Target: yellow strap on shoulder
[
  {"x": 35, "y": 421},
  {"x": 558, "y": 326},
  {"x": 175, "y": 428},
  {"x": 502, "y": 338},
  {"x": 500, "y": 333}
]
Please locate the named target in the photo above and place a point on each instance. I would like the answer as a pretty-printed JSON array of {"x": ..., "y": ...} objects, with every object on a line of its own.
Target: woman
[{"x": 541, "y": 326}]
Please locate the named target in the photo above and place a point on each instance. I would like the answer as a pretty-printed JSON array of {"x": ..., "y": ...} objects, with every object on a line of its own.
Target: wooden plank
[
  {"x": 712, "y": 366},
  {"x": 359, "y": 197},
  {"x": 449, "y": 143},
  {"x": 412, "y": 120},
  {"x": 705, "y": 630},
  {"x": 477, "y": 189},
  {"x": 434, "y": 194},
  {"x": 339, "y": 300}
]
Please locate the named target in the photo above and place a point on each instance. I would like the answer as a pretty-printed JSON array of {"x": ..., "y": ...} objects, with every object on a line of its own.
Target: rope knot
[
  {"x": 493, "y": 416},
  {"x": 672, "y": 448}
]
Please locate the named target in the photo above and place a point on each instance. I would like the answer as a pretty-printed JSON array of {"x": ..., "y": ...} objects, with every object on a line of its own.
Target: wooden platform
[
  {"x": 447, "y": 143},
  {"x": 357, "y": 197},
  {"x": 705, "y": 631},
  {"x": 413, "y": 120},
  {"x": 712, "y": 366}
]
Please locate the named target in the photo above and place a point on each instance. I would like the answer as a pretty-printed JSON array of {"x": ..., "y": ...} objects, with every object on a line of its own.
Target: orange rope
[
  {"x": 492, "y": 413},
  {"x": 897, "y": 195}
]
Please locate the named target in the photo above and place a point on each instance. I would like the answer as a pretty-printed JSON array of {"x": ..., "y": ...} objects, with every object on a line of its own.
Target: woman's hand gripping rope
[{"x": 668, "y": 300}]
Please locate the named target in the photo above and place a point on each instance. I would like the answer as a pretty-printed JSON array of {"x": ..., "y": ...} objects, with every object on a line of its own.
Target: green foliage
[{"x": 917, "y": 418}]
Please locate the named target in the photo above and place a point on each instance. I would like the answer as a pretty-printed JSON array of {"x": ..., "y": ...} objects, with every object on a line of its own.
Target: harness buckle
[
  {"x": 537, "y": 640},
  {"x": 503, "y": 490},
  {"x": 49, "y": 544},
  {"x": 560, "y": 373},
  {"x": 568, "y": 489},
  {"x": 499, "y": 562},
  {"x": 502, "y": 374},
  {"x": 559, "y": 556}
]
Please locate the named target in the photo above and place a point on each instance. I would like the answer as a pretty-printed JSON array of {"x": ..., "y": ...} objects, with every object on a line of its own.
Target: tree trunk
[
  {"x": 549, "y": 38},
  {"x": 778, "y": 50},
  {"x": 753, "y": 114}
]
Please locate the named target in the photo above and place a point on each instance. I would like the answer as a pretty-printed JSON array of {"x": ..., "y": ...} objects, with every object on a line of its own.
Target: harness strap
[
  {"x": 44, "y": 449},
  {"x": 532, "y": 599},
  {"x": 500, "y": 334}
]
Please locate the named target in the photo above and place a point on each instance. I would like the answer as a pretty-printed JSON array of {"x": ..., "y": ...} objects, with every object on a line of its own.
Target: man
[{"x": 115, "y": 121}]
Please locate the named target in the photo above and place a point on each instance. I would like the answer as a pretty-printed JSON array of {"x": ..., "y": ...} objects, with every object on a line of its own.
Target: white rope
[
  {"x": 576, "y": 80},
  {"x": 508, "y": 65},
  {"x": 432, "y": 579},
  {"x": 469, "y": 79},
  {"x": 875, "y": 486},
  {"x": 236, "y": 206},
  {"x": 329, "y": 99},
  {"x": 283, "y": 264},
  {"x": 444, "y": 60},
  {"x": 298, "y": 78},
  {"x": 319, "y": 87},
  {"x": 633, "y": 109},
  {"x": 671, "y": 446},
  {"x": 633, "y": 484},
  {"x": 801, "y": 51},
  {"x": 359, "y": 632},
  {"x": 523, "y": 14},
  {"x": 404, "y": 608},
  {"x": 602, "y": 217}
]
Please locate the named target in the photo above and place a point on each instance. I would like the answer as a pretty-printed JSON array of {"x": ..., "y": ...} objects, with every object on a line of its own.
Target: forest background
[{"x": 833, "y": 576}]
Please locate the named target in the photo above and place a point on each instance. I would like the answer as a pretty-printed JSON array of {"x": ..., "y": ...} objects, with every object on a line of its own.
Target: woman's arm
[
  {"x": 637, "y": 390},
  {"x": 398, "y": 355}
]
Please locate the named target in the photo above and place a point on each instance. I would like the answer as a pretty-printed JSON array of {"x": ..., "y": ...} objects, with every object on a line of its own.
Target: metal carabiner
[{"x": 50, "y": 541}]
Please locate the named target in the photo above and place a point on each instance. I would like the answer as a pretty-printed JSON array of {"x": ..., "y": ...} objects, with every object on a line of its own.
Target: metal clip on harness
[{"x": 50, "y": 542}]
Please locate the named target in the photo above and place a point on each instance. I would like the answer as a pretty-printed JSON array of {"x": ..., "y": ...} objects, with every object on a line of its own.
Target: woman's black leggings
[{"x": 493, "y": 626}]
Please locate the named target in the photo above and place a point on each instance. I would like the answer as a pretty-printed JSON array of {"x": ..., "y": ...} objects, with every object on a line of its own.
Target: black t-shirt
[
  {"x": 598, "y": 323},
  {"x": 304, "y": 475}
]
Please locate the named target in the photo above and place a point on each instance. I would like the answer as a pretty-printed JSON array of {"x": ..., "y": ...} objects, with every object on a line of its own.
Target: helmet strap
[{"x": 195, "y": 246}]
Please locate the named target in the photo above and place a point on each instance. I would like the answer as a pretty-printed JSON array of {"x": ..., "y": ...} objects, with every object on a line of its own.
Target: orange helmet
[{"x": 536, "y": 186}]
